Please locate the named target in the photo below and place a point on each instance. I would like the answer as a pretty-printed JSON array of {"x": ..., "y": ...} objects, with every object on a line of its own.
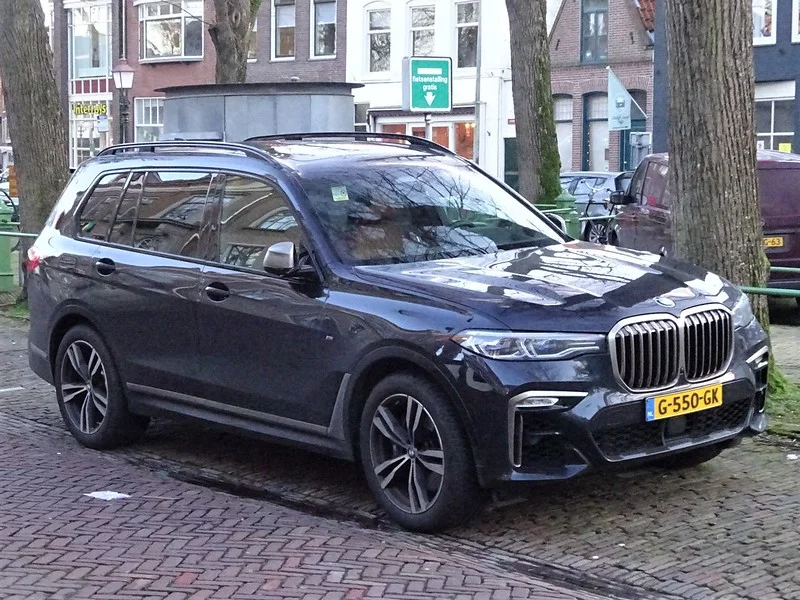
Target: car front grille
[
  {"x": 707, "y": 343},
  {"x": 617, "y": 440},
  {"x": 649, "y": 354}
]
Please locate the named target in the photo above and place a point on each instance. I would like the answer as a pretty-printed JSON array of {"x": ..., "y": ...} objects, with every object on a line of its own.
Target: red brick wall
[
  {"x": 629, "y": 55},
  {"x": 151, "y": 76}
]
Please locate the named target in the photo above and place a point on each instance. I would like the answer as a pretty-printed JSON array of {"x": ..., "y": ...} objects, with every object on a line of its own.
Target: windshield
[{"x": 402, "y": 211}]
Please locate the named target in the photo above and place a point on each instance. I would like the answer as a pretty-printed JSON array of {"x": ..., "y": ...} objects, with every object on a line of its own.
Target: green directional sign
[{"x": 427, "y": 84}]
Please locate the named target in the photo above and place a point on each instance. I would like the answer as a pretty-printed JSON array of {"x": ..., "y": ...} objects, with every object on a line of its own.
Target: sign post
[{"x": 427, "y": 87}]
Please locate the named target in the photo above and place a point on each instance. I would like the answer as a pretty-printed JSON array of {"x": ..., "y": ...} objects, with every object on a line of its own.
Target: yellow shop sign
[{"x": 90, "y": 109}]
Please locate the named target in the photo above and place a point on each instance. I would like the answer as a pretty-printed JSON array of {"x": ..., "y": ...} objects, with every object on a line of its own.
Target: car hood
[{"x": 574, "y": 286}]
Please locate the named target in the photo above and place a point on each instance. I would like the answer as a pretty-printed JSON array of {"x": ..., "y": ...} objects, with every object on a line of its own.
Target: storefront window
[
  {"x": 465, "y": 139},
  {"x": 88, "y": 129},
  {"x": 775, "y": 125}
]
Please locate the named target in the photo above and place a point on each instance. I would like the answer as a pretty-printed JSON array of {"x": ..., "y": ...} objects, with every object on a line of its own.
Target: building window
[
  {"x": 324, "y": 27},
  {"x": 362, "y": 117},
  {"x": 380, "y": 40},
  {"x": 562, "y": 111},
  {"x": 763, "y": 22},
  {"x": 252, "y": 41},
  {"x": 467, "y": 19},
  {"x": 458, "y": 136},
  {"x": 284, "y": 29},
  {"x": 88, "y": 130},
  {"x": 170, "y": 30},
  {"x": 90, "y": 44},
  {"x": 148, "y": 119},
  {"x": 795, "y": 21},
  {"x": 775, "y": 125},
  {"x": 594, "y": 31},
  {"x": 595, "y": 133},
  {"x": 423, "y": 21}
]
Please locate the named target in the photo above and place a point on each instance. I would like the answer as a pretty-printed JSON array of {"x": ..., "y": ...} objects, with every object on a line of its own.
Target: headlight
[
  {"x": 742, "y": 313},
  {"x": 504, "y": 345}
]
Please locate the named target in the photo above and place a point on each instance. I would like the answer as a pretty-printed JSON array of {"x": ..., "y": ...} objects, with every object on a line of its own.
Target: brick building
[{"x": 587, "y": 37}]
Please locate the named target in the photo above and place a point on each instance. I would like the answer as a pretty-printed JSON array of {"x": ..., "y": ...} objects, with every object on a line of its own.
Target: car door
[
  {"x": 148, "y": 276},
  {"x": 626, "y": 223},
  {"x": 263, "y": 345}
]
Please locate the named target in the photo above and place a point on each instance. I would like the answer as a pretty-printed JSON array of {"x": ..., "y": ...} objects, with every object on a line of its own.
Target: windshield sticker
[{"x": 339, "y": 193}]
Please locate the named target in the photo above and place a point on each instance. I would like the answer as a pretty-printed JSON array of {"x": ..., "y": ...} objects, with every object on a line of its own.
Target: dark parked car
[
  {"x": 643, "y": 221},
  {"x": 383, "y": 301},
  {"x": 592, "y": 190}
]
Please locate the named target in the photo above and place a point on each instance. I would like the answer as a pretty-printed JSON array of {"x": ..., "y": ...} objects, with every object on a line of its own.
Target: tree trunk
[
  {"x": 35, "y": 116},
  {"x": 231, "y": 35},
  {"x": 716, "y": 218},
  {"x": 537, "y": 147}
]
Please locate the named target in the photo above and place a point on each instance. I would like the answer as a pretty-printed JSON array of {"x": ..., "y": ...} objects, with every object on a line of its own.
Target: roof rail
[
  {"x": 359, "y": 135},
  {"x": 251, "y": 151}
]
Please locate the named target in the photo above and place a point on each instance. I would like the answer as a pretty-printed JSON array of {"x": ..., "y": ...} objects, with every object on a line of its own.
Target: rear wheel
[
  {"x": 416, "y": 458},
  {"x": 690, "y": 459},
  {"x": 90, "y": 395}
]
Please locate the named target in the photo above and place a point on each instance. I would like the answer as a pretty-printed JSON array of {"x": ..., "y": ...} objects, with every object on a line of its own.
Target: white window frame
[
  {"x": 371, "y": 8},
  {"x": 412, "y": 29},
  {"x": 183, "y": 15},
  {"x": 254, "y": 32},
  {"x": 772, "y": 39},
  {"x": 796, "y": 21},
  {"x": 151, "y": 100},
  {"x": 92, "y": 8},
  {"x": 273, "y": 36},
  {"x": 312, "y": 55},
  {"x": 458, "y": 26}
]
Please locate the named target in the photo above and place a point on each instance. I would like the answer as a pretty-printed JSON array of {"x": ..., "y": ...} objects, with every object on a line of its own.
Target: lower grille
[
  {"x": 625, "y": 441},
  {"x": 537, "y": 448}
]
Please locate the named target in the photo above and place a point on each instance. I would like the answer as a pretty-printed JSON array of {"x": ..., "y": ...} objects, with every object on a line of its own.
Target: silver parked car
[{"x": 591, "y": 190}]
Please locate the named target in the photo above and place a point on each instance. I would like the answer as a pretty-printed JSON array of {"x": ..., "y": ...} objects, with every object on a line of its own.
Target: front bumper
[{"x": 592, "y": 422}]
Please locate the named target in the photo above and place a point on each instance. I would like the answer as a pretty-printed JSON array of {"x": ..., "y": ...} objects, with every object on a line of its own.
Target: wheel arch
[
  {"x": 383, "y": 362},
  {"x": 66, "y": 318}
]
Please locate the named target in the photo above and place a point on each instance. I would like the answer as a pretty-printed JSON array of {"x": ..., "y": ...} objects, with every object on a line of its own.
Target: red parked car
[{"x": 643, "y": 220}]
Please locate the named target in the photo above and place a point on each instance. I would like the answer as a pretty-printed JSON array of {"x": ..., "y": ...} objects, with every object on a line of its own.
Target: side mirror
[
  {"x": 619, "y": 198},
  {"x": 280, "y": 258},
  {"x": 558, "y": 221}
]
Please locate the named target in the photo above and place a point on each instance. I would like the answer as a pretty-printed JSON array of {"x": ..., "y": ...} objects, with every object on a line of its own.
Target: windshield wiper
[{"x": 524, "y": 244}]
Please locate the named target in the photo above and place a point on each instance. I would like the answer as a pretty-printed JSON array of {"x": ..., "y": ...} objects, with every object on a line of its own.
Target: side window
[
  {"x": 97, "y": 213},
  {"x": 122, "y": 231},
  {"x": 255, "y": 215},
  {"x": 666, "y": 189},
  {"x": 654, "y": 183},
  {"x": 170, "y": 212},
  {"x": 635, "y": 188}
]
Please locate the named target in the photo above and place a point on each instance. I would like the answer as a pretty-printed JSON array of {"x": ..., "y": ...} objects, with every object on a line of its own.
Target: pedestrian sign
[{"x": 427, "y": 84}]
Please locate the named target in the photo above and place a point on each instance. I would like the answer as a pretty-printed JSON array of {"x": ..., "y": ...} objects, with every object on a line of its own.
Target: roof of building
[{"x": 647, "y": 10}]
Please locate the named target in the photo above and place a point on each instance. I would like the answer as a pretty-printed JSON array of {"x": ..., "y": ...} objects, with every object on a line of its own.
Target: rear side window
[
  {"x": 637, "y": 183},
  {"x": 97, "y": 214},
  {"x": 654, "y": 182},
  {"x": 122, "y": 231},
  {"x": 254, "y": 216},
  {"x": 170, "y": 212}
]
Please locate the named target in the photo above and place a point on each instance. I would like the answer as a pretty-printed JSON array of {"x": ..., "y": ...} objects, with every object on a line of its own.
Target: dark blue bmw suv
[{"x": 379, "y": 299}]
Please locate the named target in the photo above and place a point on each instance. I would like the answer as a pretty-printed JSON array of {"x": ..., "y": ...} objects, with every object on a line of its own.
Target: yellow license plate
[
  {"x": 683, "y": 403},
  {"x": 773, "y": 242}
]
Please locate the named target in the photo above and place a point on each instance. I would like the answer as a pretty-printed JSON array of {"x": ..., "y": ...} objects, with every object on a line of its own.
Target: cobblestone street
[{"x": 296, "y": 525}]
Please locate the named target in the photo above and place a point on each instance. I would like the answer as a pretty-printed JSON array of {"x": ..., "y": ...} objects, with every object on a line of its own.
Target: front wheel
[
  {"x": 416, "y": 457},
  {"x": 597, "y": 232}
]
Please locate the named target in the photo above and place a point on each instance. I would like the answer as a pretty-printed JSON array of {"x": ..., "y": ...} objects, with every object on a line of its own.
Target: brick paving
[{"x": 730, "y": 529}]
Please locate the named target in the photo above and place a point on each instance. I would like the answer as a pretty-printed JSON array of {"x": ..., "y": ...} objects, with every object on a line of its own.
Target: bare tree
[
  {"x": 231, "y": 37},
  {"x": 35, "y": 117},
  {"x": 716, "y": 216},
  {"x": 539, "y": 161}
]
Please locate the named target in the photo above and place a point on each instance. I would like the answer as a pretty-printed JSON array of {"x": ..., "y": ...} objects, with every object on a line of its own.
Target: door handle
[
  {"x": 105, "y": 266},
  {"x": 217, "y": 292}
]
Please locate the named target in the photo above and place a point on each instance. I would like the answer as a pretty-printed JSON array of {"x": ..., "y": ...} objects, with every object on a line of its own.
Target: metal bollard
[
  {"x": 6, "y": 242},
  {"x": 565, "y": 203}
]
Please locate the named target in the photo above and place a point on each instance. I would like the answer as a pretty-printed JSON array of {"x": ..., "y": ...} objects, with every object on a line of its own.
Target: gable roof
[{"x": 647, "y": 10}]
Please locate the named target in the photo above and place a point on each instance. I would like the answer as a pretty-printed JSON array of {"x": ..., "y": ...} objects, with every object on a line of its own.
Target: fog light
[{"x": 537, "y": 402}]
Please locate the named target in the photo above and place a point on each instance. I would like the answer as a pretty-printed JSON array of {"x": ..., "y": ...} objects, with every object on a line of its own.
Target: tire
[
  {"x": 597, "y": 233},
  {"x": 80, "y": 396},
  {"x": 449, "y": 494},
  {"x": 691, "y": 458}
]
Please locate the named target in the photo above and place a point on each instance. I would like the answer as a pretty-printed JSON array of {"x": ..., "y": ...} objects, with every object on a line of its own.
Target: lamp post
[{"x": 123, "y": 81}]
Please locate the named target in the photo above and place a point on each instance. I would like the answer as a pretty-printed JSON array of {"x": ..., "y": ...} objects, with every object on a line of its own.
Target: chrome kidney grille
[{"x": 649, "y": 354}]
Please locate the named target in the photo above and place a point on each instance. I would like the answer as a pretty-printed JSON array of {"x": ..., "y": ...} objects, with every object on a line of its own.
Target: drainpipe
[{"x": 476, "y": 149}]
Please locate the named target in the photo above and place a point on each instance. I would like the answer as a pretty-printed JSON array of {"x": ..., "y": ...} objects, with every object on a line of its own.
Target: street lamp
[{"x": 123, "y": 80}]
